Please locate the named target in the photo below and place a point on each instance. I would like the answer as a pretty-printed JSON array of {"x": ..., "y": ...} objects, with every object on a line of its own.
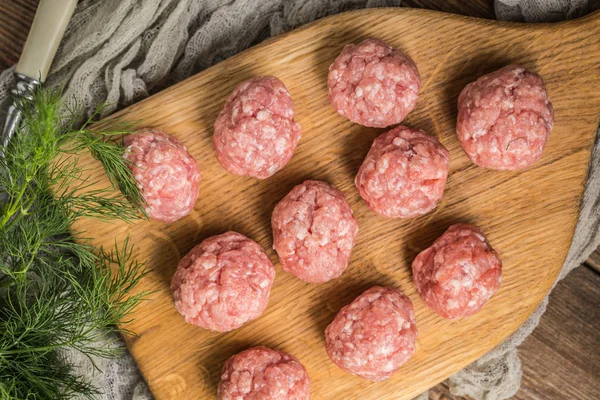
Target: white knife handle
[{"x": 47, "y": 30}]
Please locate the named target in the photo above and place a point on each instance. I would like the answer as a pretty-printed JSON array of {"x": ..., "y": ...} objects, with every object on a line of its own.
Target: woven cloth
[{"x": 119, "y": 51}]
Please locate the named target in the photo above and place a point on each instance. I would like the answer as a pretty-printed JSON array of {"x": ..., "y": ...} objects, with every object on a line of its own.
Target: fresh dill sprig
[
  {"x": 56, "y": 293},
  {"x": 107, "y": 147}
]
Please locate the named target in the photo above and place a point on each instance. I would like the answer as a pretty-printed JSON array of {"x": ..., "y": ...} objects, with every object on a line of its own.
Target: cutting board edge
[
  {"x": 588, "y": 19},
  {"x": 260, "y": 46}
]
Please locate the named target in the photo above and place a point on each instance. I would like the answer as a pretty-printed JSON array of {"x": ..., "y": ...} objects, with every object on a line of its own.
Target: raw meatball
[
  {"x": 404, "y": 173},
  {"x": 167, "y": 175},
  {"x": 458, "y": 273},
  {"x": 374, "y": 335},
  {"x": 261, "y": 373},
  {"x": 255, "y": 133},
  {"x": 373, "y": 84},
  {"x": 314, "y": 231},
  {"x": 223, "y": 282},
  {"x": 505, "y": 118}
]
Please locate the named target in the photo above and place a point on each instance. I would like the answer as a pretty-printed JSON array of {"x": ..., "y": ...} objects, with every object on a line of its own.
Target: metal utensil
[{"x": 47, "y": 30}]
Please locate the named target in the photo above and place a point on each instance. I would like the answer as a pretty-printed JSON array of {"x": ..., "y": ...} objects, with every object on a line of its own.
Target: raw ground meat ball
[
  {"x": 458, "y": 273},
  {"x": 167, "y": 175},
  {"x": 374, "y": 335},
  {"x": 404, "y": 173},
  {"x": 223, "y": 282},
  {"x": 505, "y": 118},
  {"x": 260, "y": 373},
  {"x": 373, "y": 84},
  {"x": 255, "y": 133},
  {"x": 314, "y": 231}
]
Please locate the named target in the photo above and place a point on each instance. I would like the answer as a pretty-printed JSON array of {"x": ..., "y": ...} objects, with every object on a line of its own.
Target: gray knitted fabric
[{"x": 120, "y": 51}]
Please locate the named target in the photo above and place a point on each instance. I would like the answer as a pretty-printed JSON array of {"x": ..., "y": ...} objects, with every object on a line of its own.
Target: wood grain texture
[
  {"x": 441, "y": 391},
  {"x": 594, "y": 261},
  {"x": 16, "y": 17},
  {"x": 529, "y": 216},
  {"x": 556, "y": 332},
  {"x": 561, "y": 358}
]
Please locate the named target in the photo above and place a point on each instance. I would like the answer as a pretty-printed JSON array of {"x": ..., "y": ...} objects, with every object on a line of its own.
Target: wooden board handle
[{"x": 47, "y": 30}]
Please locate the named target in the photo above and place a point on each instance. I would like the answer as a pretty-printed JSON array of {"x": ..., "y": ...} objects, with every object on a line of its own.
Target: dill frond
[
  {"x": 56, "y": 293},
  {"x": 107, "y": 149}
]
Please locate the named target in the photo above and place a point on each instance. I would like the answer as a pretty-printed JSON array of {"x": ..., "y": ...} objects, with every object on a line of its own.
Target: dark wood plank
[
  {"x": 594, "y": 261},
  {"x": 561, "y": 359},
  {"x": 442, "y": 392},
  {"x": 16, "y": 17}
]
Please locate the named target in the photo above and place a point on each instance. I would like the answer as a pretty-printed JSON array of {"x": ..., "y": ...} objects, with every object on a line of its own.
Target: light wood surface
[{"x": 529, "y": 216}]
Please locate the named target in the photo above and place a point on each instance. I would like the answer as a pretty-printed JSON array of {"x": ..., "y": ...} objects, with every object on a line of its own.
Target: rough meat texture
[
  {"x": 314, "y": 231},
  {"x": 458, "y": 274},
  {"x": 255, "y": 133},
  {"x": 374, "y": 335},
  {"x": 167, "y": 175},
  {"x": 404, "y": 173},
  {"x": 261, "y": 373},
  {"x": 372, "y": 84},
  {"x": 223, "y": 282},
  {"x": 504, "y": 119}
]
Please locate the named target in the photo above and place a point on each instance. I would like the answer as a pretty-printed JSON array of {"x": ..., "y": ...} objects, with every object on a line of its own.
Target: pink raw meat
[
  {"x": 167, "y": 175},
  {"x": 314, "y": 231},
  {"x": 223, "y": 282},
  {"x": 260, "y": 373},
  {"x": 373, "y": 84},
  {"x": 374, "y": 335},
  {"x": 404, "y": 173},
  {"x": 255, "y": 133},
  {"x": 505, "y": 118},
  {"x": 458, "y": 274}
]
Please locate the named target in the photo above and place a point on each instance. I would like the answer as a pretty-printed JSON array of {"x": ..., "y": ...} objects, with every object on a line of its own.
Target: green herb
[{"x": 54, "y": 292}]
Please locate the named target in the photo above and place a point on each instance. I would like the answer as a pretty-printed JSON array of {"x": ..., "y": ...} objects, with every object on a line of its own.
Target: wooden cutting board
[{"x": 529, "y": 216}]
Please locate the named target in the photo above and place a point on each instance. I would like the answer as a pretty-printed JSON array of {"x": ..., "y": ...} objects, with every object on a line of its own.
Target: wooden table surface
[{"x": 561, "y": 359}]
